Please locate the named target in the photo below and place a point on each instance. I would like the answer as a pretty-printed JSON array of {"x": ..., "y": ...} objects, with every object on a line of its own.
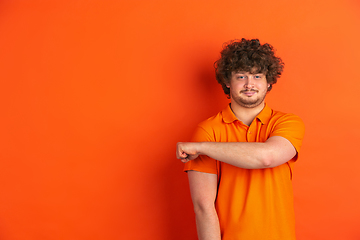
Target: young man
[{"x": 240, "y": 161}]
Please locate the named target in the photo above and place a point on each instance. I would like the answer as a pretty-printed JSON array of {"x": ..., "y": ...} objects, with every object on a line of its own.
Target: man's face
[{"x": 248, "y": 89}]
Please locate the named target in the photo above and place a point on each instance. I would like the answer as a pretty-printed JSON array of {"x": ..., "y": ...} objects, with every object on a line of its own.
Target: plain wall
[{"x": 95, "y": 94}]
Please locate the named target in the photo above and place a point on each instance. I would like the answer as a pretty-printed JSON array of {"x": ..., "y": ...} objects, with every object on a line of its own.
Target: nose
[{"x": 249, "y": 83}]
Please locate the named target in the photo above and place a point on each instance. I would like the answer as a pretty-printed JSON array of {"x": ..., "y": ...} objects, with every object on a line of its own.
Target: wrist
[{"x": 201, "y": 148}]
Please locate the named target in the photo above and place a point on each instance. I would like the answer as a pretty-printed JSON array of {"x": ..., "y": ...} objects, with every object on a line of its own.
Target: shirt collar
[
  {"x": 228, "y": 115},
  {"x": 263, "y": 116}
]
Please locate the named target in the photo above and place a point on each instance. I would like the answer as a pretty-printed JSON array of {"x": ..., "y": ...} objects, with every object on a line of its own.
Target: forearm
[
  {"x": 207, "y": 225},
  {"x": 252, "y": 155}
]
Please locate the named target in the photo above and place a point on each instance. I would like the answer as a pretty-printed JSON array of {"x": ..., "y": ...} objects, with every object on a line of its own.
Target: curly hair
[{"x": 249, "y": 56}]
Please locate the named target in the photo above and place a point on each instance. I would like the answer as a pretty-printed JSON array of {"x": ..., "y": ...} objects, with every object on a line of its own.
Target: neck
[{"x": 244, "y": 114}]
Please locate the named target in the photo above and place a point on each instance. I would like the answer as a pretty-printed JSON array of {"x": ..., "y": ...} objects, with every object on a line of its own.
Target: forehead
[{"x": 253, "y": 70}]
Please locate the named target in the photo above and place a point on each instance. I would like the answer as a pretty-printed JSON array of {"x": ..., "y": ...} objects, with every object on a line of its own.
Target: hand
[{"x": 186, "y": 151}]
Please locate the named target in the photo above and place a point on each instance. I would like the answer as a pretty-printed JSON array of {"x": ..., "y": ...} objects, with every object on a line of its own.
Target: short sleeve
[
  {"x": 292, "y": 128},
  {"x": 203, "y": 163}
]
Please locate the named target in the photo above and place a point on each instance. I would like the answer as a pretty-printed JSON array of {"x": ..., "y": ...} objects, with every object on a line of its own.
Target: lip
[{"x": 249, "y": 93}]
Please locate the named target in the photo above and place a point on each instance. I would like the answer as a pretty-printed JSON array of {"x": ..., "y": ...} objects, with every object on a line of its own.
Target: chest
[{"x": 239, "y": 132}]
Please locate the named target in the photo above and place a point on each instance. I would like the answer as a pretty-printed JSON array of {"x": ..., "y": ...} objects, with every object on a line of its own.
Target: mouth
[{"x": 249, "y": 93}]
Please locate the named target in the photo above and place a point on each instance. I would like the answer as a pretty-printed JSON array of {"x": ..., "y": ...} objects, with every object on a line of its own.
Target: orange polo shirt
[{"x": 252, "y": 204}]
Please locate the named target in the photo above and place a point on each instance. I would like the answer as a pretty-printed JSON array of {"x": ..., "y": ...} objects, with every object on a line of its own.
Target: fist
[{"x": 186, "y": 151}]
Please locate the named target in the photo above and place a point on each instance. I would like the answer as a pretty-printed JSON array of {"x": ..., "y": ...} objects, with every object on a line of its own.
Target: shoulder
[
  {"x": 211, "y": 121},
  {"x": 289, "y": 126},
  {"x": 206, "y": 130},
  {"x": 286, "y": 122},
  {"x": 278, "y": 116}
]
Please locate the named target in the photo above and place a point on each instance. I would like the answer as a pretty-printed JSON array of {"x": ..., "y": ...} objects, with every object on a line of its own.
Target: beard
[{"x": 249, "y": 102}]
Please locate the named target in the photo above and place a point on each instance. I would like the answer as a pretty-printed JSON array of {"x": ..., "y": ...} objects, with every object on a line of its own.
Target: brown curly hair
[{"x": 249, "y": 56}]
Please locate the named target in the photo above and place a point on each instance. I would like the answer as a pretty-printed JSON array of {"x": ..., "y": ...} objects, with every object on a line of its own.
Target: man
[{"x": 240, "y": 161}]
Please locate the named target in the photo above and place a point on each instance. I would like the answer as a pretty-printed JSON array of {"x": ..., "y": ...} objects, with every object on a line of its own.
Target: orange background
[{"x": 95, "y": 94}]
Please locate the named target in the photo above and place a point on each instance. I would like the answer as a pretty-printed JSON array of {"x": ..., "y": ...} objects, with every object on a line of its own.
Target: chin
[{"x": 250, "y": 104}]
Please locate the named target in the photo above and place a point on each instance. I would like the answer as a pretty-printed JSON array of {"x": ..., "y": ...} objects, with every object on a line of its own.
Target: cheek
[
  {"x": 237, "y": 85},
  {"x": 263, "y": 85}
]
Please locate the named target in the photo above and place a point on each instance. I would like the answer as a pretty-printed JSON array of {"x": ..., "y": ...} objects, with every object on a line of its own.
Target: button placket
[{"x": 251, "y": 133}]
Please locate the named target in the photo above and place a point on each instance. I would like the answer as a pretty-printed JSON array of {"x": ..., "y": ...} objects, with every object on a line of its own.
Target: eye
[
  {"x": 257, "y": 77},
  {"x": 241, "y": 77}
]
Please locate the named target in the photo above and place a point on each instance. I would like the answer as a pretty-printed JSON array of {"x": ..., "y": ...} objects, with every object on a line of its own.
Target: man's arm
[
  {"x": 203, "y": 189},
  {"x": 251, "y": 155}
]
